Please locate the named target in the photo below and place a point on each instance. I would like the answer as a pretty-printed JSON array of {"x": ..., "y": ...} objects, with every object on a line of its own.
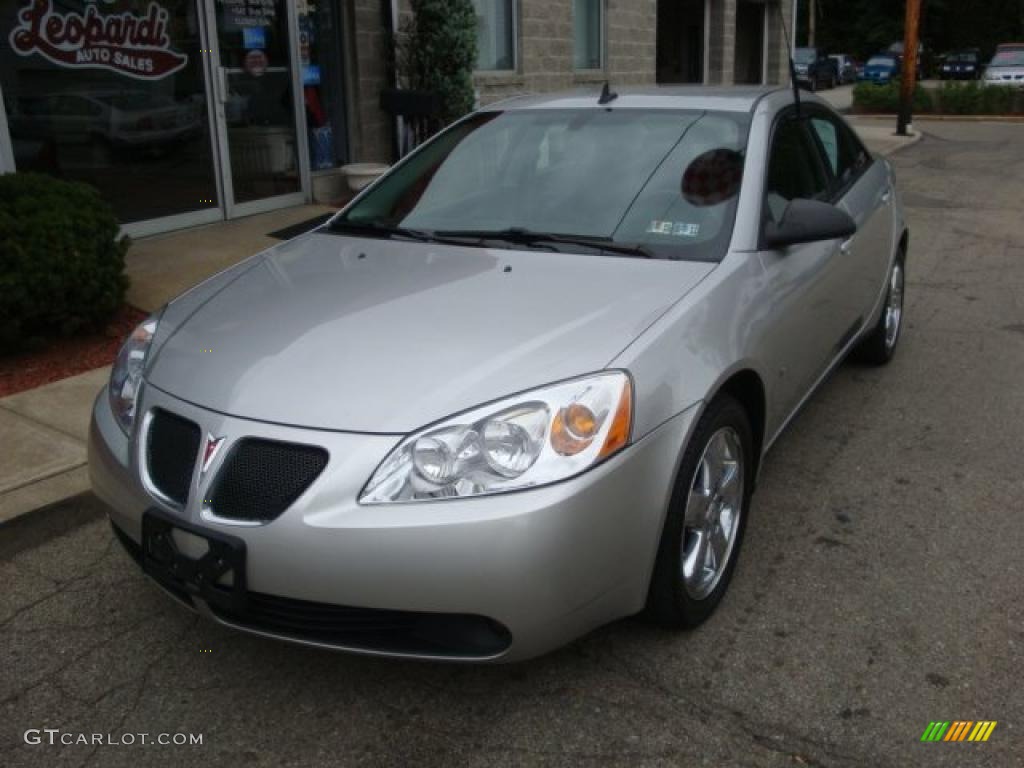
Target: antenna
[
  {"x": 792, "y": 63},
  {"x": 607, "y": 95}
]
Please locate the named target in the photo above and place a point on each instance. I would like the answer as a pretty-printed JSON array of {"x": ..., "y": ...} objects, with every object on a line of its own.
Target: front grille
[
  {"x": 261, "y": 478},
  {"x": 405, "y": 632},
  {"x": 171, "y": 448}
]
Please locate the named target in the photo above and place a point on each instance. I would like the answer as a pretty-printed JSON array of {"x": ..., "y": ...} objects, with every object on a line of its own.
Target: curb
[
  {"x": 37, "y": 526},
  {"x": 945, "y": 118},
  {"x": 914, "y": 138}
]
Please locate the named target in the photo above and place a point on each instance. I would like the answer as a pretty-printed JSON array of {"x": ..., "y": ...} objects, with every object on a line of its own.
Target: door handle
[
  {"x": 846, "y": 248},
  {"x": 886, "y": 196},
  {"x": 222, "y": 85}
]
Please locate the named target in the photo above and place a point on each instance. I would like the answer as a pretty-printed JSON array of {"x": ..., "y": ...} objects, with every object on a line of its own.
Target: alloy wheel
[
  {"x": 712, "y": 517},
  {"x": 894, "y": 306}
]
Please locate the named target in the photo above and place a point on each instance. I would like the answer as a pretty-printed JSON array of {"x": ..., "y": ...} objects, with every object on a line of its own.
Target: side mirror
[{"x": 808, "y": 221}]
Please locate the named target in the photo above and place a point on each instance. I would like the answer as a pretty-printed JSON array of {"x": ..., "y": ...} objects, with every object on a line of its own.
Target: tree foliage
[
  {"x": 865, "y": 27},
  {"x": 436, "y": 51}
]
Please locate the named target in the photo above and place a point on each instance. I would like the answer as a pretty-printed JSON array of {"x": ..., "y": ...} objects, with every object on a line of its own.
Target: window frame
[
  {"x": 514, "y": 70},
  {"x": 601, "y": 43}
]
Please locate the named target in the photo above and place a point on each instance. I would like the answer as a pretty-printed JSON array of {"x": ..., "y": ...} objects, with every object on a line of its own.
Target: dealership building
[{"x": 187, "y": 112}]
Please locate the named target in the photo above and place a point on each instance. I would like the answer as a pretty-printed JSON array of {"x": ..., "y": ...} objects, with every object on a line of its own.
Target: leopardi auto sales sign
[{"x": 127, "y": 43}]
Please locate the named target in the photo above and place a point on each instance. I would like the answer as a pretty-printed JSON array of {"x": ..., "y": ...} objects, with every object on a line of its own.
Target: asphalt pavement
[{"x": 879, "y": 589}]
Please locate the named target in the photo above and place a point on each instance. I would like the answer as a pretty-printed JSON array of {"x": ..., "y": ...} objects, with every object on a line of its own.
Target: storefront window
[
  {"x": 587, "y": 26},
  {"x": 113, "y": 94},
  {"x": 496, "y": 43},
  {"x": 322, "y": 59}
]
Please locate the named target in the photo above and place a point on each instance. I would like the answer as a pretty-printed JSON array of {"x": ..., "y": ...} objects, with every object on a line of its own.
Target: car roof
[{"x": 697, "y": 97}]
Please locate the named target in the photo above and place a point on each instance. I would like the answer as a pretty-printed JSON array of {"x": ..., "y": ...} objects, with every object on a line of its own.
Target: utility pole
[
  {"x": 812, "y": 22},
  {"x": 909, "y": 82}
]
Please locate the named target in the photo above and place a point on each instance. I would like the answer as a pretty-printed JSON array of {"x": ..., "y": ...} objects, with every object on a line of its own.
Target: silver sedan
[{"x": 520, "y": 387}]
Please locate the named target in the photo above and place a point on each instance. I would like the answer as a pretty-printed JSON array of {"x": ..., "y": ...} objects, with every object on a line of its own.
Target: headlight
[
  {"x": 126, "y": 375},
  {"x": 525, "y": 441}
]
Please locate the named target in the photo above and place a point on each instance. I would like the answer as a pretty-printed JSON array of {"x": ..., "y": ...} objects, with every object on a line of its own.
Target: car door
[
  {"x": 804, "y": 295},
  {"x": 862, "y": 187}
]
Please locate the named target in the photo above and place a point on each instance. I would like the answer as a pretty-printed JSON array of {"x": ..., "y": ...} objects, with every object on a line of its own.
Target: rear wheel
[
  {"x": 706, "y": 518},
  {"x": 879, "y": 347}
]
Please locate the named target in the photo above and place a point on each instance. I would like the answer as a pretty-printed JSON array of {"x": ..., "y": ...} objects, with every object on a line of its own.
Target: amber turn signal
[{"x": 618, "y": 433}]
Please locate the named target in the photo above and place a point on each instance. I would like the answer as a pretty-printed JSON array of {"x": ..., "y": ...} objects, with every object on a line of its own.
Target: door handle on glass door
[{"x": 222, "y": 85}]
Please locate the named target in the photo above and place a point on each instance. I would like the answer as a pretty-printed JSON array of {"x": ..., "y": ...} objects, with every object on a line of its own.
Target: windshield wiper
[
  {"x": 380, "y": 230},
  {"x": 520, "y": 236}
]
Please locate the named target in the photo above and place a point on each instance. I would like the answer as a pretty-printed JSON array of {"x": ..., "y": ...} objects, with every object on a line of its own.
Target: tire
[
  {"x": 682, "y": 595},
  {"x": 879, "y": 347},
  {"x": 814, "y": 85}
]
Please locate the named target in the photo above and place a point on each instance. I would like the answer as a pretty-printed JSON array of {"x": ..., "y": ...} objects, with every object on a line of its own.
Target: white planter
[{"x": 360, "y": 175}]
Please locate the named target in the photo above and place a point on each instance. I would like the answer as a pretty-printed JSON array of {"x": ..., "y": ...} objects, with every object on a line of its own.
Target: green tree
[
  {"x": 864, "y": 27},
  {"x": 436, "y": 51}
]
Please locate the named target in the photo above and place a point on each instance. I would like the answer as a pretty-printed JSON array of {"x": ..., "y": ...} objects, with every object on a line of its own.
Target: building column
[
  {"x": 722, "y": 42},
  {"x": 777, "y": 69}
]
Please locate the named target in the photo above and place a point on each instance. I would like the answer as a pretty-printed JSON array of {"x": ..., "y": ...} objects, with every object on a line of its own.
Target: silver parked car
[
  {"x": 520, "y": 387},
  {"x": 1006, "y": 67}
]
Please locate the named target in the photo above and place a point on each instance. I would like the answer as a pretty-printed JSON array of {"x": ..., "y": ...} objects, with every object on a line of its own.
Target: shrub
[
  {"x": 952, "y": 98},
  {"x": 436, "y": 51},
  {"x": 61, "y": 262},
  {"x": 885, "y": 99},
  {"x": 977, "y": 99}
]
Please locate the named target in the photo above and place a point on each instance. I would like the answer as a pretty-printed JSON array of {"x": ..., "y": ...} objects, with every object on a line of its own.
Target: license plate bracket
[{"x": 202, "y": 576}]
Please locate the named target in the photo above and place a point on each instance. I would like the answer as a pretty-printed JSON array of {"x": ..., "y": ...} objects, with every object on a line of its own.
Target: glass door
[{"x": 257, "y": 109}]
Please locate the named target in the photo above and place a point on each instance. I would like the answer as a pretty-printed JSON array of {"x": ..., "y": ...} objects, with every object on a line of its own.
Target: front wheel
[
  {"x": 879, "y": 347},
  {"x": 706, "y": 518}
]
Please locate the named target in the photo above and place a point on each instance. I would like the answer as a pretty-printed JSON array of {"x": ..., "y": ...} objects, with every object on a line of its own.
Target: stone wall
[
  {"x": 371, "y": 130},
  {"x": 545, "y": 56}
]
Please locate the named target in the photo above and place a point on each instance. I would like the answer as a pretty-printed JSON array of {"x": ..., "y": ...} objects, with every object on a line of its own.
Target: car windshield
[
  {"x": 663, "y": 182},
  {"x": 1008, "y": 59},
  {"x": 969, "y": 58},
  {"x": 881, "y": 61},
  {"x": 805, "y": 55}
]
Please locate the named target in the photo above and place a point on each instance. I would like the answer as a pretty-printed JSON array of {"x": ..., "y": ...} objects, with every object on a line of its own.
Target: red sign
[{"x": 132, "y": 45}]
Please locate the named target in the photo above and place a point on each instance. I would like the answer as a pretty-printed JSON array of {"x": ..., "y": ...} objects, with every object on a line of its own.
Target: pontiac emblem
[{"x": 213, "y": 445}]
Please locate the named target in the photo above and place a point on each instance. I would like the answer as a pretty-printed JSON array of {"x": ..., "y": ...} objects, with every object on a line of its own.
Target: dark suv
[{"x": 815, "y": 69}]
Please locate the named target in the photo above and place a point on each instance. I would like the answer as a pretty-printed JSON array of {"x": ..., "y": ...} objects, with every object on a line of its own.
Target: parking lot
[{"x": 879, "y": 588}]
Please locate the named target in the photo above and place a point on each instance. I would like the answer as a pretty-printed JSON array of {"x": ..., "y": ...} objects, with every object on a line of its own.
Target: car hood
[
  {"x": 1008, "y": 72},
  {"x": 370, "y": 335}
]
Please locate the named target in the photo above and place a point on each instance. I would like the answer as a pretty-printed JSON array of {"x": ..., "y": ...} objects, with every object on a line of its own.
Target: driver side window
[{"x": 794, "y": 168}]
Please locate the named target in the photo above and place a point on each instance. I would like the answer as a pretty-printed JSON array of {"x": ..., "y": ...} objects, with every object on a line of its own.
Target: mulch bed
[{"x": 61, "y": 358}]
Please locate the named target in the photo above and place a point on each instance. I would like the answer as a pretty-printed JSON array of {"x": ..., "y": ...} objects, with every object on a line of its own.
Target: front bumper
[{"x": 547, "y": 565}]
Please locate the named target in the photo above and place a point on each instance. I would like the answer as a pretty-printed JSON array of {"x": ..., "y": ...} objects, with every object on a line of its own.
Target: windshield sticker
[{"x": 674, "y": 228}]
